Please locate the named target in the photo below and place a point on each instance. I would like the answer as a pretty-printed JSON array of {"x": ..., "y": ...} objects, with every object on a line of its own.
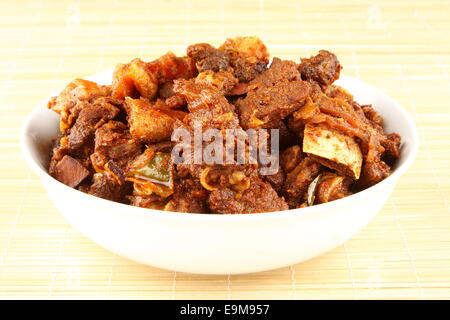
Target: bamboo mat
[{"x": 401, "y": 47}]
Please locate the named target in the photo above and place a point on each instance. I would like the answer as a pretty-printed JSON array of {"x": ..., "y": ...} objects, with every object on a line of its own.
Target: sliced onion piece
[{"x": 312, "y": 190}]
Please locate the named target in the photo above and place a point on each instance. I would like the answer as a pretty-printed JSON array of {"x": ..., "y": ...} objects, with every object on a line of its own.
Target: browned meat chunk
[
  {"x": 134, "y": 80},
  {"x": 59, "y": 150},
  {"x": 391, "y": 145},
  {"x": 290, "y": 158},
  {"x": 265, "y": 107},
  {"x": 90, "y": 118},
  {"x": 287, "y": 136},
  {"x": 166, "y": 90},
  {"x": 249, "y": 57},
  {"x": 372, "y": 115},
  {"x": 297, "y": 121},
  {"x": 279, "y": 70},
  {"x": 175, "y": 102},
  {"x": 207, "y": 105},
  {"x": 365, "y": 126},
  {"x": 70, "y": 171},
  {"x": 259, "y": 197},
  {"x": 213, "y": 176},
  {"x": 245, "y": 57},
  {"x": 114, "y": 149},
  {"x": 78, "y": 90},
  {"x": 107, "y": 187},
  {"x": 272, "y": 96},
  {"x": 169, "y": 67},
  {"x": 167, "y": 94},
  {"x": 246, "y": 69},
  {"x": 151, "y": 122},
  {"x": 298, "y": 180},
  {"x": 189, "y": 196},
  {"x": 323, "y": 68},
  {"x": 332, "y": 187},
  {"x": 223, "y": 81},
  {"x": 248, "y": 47},
  {"x": 207, "y": 57},
  {"x": 138, "y": 78},
  {"x": 114, "y": 142},
  {"x": 239, "y": 89},
  {"x": 373, "y": 172},
  {"x": 276, "y": 180},
  {"x": 347, "y": 119}
]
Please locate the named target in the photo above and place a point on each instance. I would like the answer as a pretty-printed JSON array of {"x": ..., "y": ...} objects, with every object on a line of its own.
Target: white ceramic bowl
[{"x": 214, "y": 243}]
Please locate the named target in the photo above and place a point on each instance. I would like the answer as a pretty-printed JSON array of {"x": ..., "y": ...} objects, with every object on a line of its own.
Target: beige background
[{"x": 401, "y": 47}]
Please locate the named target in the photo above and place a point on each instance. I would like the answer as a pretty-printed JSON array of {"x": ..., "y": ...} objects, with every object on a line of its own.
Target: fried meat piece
[
  {"x": 170, "y": 67},
  {"x": 189, "y": 196},
  {"x": 140, "y": 79},
  {"x": 169, "y": 97},
  {"x": 134, "y": 80},
  {"x": 332, "y": 187},
  {"x": 245, "y": 57},
  {"x": 265, "y": 107},
  {"x": 249, "y": 56},
  {"x": 113, "y": 142},
  {"x": 207, "y": 105},
  {"x": 259, "y": 197},
  {"x": 290, "y": 158},
  {"x": 223, "y": 81},
  {"x": 272, "y": 96},
  {"x": 324, "y": 68},
  {"x": 372, "y": 172},
  {"x": 391, "y": 145},
  {"x": 91, "y": 117},
  {"x": 151, "y": 122},
  {"x": 298, "y": 180},
  {"x": 207, "y": 57},
  {"x": 107, "y": 187},
  {"x": 279, "y": 70},
  {"x": 276, "y": 180},
  {"x": 79, "y": 90},
  {"x": 248, "y": 47},
  {"x": 70, "y": 171}
]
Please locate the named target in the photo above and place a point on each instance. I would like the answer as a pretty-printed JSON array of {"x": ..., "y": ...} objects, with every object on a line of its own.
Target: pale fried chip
[{"x": 333, "y": 149}]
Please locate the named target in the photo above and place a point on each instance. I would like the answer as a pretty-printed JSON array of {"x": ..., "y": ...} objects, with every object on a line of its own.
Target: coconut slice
[{"x": 333, "y": 149}]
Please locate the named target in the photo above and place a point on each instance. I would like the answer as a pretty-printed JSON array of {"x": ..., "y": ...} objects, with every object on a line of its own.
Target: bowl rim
[{"x": 275, "y": 215}]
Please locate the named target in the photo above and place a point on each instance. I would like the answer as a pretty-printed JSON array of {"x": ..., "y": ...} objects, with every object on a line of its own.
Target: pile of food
[{"x": 115, "y": 141}]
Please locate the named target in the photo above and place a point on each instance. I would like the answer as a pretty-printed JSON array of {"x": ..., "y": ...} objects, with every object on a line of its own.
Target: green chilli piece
[{"x": 157, "y": 169}]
